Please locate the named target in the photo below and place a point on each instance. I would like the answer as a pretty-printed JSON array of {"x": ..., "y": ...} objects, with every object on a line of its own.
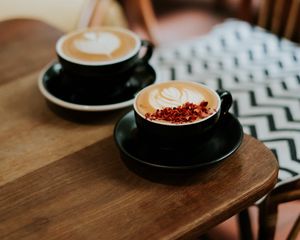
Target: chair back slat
[
  {"x": 293, "y": 18},
  {"x": 264, "y": 13},
  {"x": 277, "y": 17}
]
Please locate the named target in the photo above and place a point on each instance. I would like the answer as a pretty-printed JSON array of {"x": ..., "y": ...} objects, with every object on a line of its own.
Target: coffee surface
[
  {"x": 173, "y": 94},
  {"x": 98, "y": 45}
]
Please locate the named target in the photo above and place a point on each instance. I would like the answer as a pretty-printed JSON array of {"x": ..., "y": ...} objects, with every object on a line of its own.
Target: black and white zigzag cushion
[{"x": 260, "y": 70}]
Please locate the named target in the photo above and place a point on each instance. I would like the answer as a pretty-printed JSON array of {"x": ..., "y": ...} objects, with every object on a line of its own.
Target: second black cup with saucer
[
  {"x": 57, "y": 88},
  {"x": 149, "y": 161}
]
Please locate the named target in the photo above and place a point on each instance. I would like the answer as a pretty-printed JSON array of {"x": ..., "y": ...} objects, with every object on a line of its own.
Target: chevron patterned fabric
[{"x": 260, "y": 70}]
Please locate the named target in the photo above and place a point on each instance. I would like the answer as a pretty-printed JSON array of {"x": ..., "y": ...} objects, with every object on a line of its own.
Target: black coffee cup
[
  {"x": 108, "y": 75},
  {"x": 169, "y": 136}
]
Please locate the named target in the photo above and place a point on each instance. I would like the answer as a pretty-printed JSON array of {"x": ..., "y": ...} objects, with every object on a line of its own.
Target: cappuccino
[
  {"x": 174, "y": 94},
  {"x": 98, "y": 46}
]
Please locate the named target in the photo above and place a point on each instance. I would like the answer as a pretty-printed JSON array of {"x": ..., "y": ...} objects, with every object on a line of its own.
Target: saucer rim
[
  {"x": 81, "y": 107},
  {"x": 176, "y": 168}
]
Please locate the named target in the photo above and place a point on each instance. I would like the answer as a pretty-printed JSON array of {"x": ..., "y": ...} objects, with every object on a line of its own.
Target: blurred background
[{"x": 163, "y": 21}]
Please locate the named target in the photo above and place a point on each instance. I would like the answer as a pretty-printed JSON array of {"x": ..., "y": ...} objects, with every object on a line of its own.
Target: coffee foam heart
[
  {"x": 98, "y": 43},
  {"x": 173, "y": 97}
]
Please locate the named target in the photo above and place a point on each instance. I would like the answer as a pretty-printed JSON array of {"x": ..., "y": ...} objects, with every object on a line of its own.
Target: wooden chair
[
  {"x": 283, "y": 192},
  {"x": 268, "y": 211}
]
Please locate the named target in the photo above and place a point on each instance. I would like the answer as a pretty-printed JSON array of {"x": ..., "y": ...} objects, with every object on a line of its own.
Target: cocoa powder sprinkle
[{"x": 187, "y": 112}]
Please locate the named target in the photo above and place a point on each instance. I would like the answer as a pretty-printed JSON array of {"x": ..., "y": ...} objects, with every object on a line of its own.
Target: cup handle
[
  {"x": 148, "y": 52},
  {"x": 226, "y": 101}
]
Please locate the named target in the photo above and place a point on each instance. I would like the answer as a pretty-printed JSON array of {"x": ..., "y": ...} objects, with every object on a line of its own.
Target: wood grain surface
[{"x": 62, "y": 177}]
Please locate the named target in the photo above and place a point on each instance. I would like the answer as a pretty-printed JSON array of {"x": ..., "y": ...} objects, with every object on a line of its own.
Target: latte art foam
[
  {"x": 172, "y": 95},
  {"x": 98, "y": 43}
]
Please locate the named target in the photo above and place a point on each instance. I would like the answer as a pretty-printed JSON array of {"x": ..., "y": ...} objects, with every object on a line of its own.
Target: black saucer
[
  {"x": 143, "y": 158},
  {"x": 87, "y": 99}
]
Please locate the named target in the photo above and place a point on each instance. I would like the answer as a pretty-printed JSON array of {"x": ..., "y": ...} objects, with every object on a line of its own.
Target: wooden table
[{"x": 63, "y": 179}]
